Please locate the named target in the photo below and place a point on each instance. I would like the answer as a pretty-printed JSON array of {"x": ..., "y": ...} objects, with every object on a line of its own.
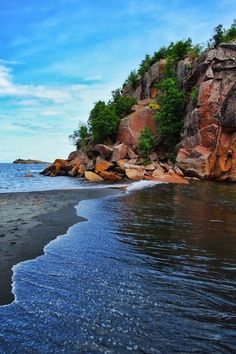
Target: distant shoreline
[{"x": 30, "y": 162}]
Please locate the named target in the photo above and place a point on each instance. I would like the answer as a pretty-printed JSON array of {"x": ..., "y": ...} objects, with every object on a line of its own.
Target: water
[
  {"x": 13, "y": 179},
  {"x": 152, "y": 271}
]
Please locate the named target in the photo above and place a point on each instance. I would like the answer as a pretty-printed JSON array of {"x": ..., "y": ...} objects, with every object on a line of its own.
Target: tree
[
  {"x": 218, "y": 35},
  {"x": 147, "y": 141},
  {"x": 132, "y": 79},
  {"x": 79, "y": 136},
  {"x": 230, "y": 33},
  {"x": 103, "y": 122},
  {"x": 145, "y": 65},
  {"x": 170, "y": 114},
  {"x": 122, "y": 104}
]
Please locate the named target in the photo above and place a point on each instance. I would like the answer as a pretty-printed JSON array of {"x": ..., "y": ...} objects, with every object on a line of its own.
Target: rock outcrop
[
  {"x": 208, "y": 145},
  {"x": 131, "y": 126},
  {"x": 121, "y": 160},
  {"x": 145, "y": 87}
]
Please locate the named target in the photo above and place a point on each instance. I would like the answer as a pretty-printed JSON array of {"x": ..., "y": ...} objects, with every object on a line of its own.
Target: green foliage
[
  {"x": 162, "y": 53},
  {"x": 218, "y": 35},
  {"x": 230, "y": 34},
  {"x": 147, "y": 141},
  {"x": 222, "y": 35},
  {"x": 103, "y": 122},
  {"x": 145, "y": 65},
  {"x": 170, "y": 115},
  {"x": 132, "y": 79},
  {"x": 194, "y": 95},
  {"x": 79, "y": 136},
  {"x": 122, "y": 104},
  {"x": 173, "y": 53},
  {"x": 178, "y": 51}
]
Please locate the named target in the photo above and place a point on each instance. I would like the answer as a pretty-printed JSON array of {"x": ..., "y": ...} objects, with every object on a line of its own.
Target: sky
[{"x": 58, "y": 57}]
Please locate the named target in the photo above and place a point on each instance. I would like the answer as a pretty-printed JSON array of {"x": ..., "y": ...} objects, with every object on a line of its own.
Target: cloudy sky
[{"x": 58, "y": 57}]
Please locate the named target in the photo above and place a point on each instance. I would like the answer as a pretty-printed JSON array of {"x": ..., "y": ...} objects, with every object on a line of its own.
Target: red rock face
[
  {"x": 146, "y": 88},
  {"x": 131, "y": 126},
  {"x": 208, "y": 147}
]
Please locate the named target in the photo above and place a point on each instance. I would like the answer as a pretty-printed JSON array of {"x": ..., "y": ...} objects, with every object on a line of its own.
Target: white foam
[{"x": 141, "y": 185}]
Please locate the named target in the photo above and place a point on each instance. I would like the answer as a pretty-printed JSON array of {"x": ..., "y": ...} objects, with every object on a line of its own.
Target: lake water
[
  {"x": 13, "y": 178},
  {"x": 151, "y": 271}
]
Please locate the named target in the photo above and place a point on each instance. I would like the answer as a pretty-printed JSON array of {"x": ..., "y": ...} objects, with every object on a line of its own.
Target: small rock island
[{"x": 29, "y": 162}]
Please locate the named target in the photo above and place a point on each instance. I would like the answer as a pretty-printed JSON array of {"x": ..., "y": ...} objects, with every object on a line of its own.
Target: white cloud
[
  {"x": 51, "y": 113},
  {"x": 27, "y": 103},
  {"x": 10, "y": 62},
  {"x": 8, "y": 89}
]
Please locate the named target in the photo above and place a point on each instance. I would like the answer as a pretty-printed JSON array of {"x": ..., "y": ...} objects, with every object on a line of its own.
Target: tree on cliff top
[{"x": 221, "y": 35}]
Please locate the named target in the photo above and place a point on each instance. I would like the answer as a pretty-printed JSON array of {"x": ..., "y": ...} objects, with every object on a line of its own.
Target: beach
[{"x": 31, "y": 220}]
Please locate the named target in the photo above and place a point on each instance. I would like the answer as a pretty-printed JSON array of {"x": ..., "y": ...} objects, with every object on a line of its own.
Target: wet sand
[{"x": 29, "y": 221}]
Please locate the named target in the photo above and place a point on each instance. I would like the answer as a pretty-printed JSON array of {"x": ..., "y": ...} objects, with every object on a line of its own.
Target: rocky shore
[
  {"x": 207, "y": 148},
  {"x": 122, "y": 160}
]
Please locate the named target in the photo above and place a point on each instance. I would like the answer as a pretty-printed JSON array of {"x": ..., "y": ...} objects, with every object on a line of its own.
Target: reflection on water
[{"x": 151, "y": 272}]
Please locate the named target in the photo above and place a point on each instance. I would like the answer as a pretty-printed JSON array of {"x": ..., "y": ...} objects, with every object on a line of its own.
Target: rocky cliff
[
  {"x": 207, "y": 149},
  {"x": 208, "y": 143}
]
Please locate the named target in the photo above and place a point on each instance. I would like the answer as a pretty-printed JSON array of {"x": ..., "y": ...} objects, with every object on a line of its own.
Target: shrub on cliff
[
  {"x": 122, "y": 104},
  {"x": 171, "y": 112},
  {"x": 221, "y": 35},
  {"x": 79, "y": 136},
  {"x": 173, "y": 53},
  {"x": 132, "y": 79},
  {"x": 193, "y": 95},
  {"x": 103, "y": 122},
  {"x": 147, "y": 141}
]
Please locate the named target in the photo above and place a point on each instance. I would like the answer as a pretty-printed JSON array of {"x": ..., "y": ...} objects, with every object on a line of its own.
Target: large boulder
[
  {"x": 119, "y": 152},
  {"x": 131, "y": 126},
  {"x": 102, "y": 165},
  {"x": 134, "y": 174},
  {"x": 92, "y": 177},
  {"x": 110, "y": 176},
  {"x": 104, "y": 150}
]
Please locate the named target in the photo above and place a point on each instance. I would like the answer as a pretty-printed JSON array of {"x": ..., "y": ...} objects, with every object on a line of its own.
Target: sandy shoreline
[{"x": 31, "y": 220}]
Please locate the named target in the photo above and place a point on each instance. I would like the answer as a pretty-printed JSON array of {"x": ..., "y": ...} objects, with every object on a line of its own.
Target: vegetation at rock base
[
  {"x": 170, "y": 116},
  {"x": 103, "y": 122},
  {"x": 155, "y": 106},
  {"x": 147, "y": 141}
]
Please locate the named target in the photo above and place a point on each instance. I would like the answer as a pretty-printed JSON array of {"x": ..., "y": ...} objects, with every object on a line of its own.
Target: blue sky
[{"x": 58, "y": 57}]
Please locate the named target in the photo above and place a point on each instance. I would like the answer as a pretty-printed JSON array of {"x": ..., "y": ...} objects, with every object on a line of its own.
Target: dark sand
[{"x": 29, "y": 221}]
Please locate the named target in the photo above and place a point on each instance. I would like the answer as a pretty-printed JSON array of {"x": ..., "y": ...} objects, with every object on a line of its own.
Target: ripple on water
[{"x": 143, "y": 274}]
